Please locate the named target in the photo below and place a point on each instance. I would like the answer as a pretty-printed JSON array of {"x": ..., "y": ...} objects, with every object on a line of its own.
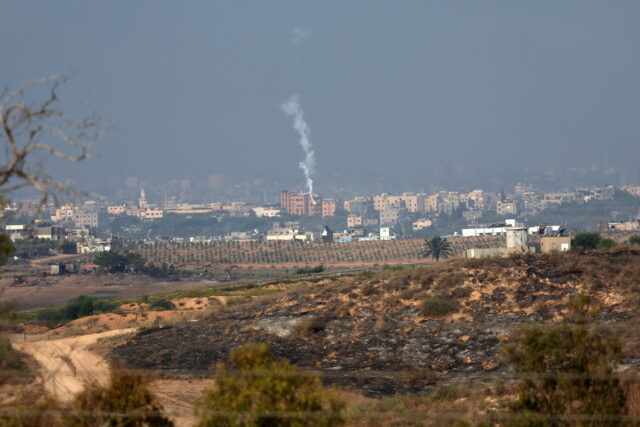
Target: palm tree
[{"x": 437, "y": 247}]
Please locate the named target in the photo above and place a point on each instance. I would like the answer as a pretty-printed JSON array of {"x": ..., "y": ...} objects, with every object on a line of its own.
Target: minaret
[{"x": 142, "y": 202}]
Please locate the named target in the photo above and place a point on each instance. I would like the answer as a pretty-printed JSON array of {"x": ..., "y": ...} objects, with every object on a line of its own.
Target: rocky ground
[{"x": 372, "y": 333}]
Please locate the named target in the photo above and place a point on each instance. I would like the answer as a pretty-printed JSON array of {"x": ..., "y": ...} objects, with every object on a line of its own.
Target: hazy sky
[{"x": 392, "y": 89}]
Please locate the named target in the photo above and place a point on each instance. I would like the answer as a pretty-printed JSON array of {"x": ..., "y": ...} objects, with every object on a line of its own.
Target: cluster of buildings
[
  {"x": 292, "y": 231},
  {"x": 375, "y": 217},
  {"x": 517, "y": 242}
]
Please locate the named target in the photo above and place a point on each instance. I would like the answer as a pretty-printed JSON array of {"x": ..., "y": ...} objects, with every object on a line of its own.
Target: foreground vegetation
[{"x": 566, "y": 321}]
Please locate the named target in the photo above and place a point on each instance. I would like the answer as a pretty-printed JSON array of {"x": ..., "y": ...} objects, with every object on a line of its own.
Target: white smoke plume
[
  {"x": 300, "y": 35},
  {"x": 293, "y": 109}
]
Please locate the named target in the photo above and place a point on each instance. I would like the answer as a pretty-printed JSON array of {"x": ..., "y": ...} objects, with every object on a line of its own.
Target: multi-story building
[
  {"x": 551, "y": 199},
  {"x": 329, "y": 207},
  {"x": 357, "y": 206},
  {"x": 82, "y": 216},
  {"x": 385, "y": 200},
  {"x": 354, "y": 221},
  {"x": 39, "y": 230},
  {"x": 390, "y": 216},
  {"x": 506, "y": 208},
  {"x": 632, "y": 189},
  {"x": 301, "y": 203},
  {"x": 116, "y": 210},
  {"x": 414, "y": 202}
]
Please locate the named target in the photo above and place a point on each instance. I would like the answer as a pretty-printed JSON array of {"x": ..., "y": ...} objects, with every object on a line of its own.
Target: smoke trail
[{"x": 292, "y": 108}]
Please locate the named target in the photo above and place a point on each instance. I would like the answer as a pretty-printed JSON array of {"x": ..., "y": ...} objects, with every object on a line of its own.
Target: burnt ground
[{"x": 371, "y": 332}]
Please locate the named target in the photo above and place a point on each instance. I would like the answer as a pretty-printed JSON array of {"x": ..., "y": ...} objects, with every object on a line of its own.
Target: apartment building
[
  {"x": 116, "y": 210},
  {"x": 390, "y": 216},
  {"x": 357, "y": 206},
  {"x": 301, "y": 203},
  {"x": 82, "y": 216},
  {"x": 414, "y": 202},
  {"x": 329, "y": 207},
  {"x": 385, "y": 201},
  {"x": 632, "y": 189},
  {"x": 506, "y": 208},
  {"x": 551, "y": 199}
]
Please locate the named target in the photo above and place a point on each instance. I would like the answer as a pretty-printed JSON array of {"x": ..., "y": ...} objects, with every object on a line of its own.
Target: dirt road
[{"x": 67, "y": 363}]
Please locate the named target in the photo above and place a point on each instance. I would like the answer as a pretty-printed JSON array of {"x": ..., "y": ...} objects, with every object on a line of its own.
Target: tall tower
[{"x": 142, "y": 202}]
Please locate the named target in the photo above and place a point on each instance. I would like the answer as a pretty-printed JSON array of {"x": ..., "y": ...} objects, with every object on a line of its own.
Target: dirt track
[{"x": 66, "y": 363}]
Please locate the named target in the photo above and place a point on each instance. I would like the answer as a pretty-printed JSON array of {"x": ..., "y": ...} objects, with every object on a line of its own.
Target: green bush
[
  {"x": 162, "y": 304},
  {"x": 436, "y": 306},
  {"x": 125, "y": 401},
  {"x": 586, "y": 240},
  {"x": 310, "y": 270},
  {"x": 606, "y": 244},
  {"x": 257, "y": 390},
  {"x": 76, "y": 308},
  {"x": 120, "y": 262},
  {"x": 566, "y": 373},
  {"x": 634, "y": 240}
]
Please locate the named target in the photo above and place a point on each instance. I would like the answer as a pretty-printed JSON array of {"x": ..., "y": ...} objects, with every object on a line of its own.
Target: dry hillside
[{"x": 402, "y": 331}]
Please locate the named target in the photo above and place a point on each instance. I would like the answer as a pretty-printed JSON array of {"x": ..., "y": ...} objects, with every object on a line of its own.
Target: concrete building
[
  {"x": 491, "y": 230},
  {"x": 414, "y": 202},
  {"x": 390, "y": 216},
  {"x": 632, "y": 189},
  {"x": 358, "y": 206},
  {"x": 506, "y": 208},
  {"x": 354, "y": 221},
  {"x": 555, "y": 244},
  {"x": 421, "y": 224},
  {"x": 484, "y": 252},
  {"x": 517, "y": 240},
  {"x": 329, "y": 207},
  {"x": 41, "y": 230},
  {"x": 552, "y": 199},
  {"x": 386, "y": 201},
  {"x": 82, "y": 216},
  {"x": 301, "y": 203},
  {"x": 116, "y": 210},
  {"x": 266, "y": 212}
]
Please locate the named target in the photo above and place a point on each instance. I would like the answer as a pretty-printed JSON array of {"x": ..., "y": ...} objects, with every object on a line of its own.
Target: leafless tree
[{"x": 35, "y": 128}]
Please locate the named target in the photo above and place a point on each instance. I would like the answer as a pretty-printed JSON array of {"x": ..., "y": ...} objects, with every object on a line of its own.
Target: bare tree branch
[{"x": 29, "y": 128}]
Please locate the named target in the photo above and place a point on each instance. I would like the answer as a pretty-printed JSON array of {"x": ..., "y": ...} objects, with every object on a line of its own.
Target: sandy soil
[
  {"x": 179, "y": 397},
  {"x": 53, "y": 290},
  {"x": 67, "y": 363}
]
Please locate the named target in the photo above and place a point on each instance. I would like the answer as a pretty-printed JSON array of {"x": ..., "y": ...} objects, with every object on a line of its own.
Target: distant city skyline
[{"x": 405, "y": 95}]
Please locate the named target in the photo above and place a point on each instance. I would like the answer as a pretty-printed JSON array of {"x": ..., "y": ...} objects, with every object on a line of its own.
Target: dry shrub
[
  {"x": 438, "y": 306},
  {"x": 398, "y": 283},
  {"x": 310, "y": 326},
  {"x": 541, "y": 308},
  {"x": 451, "y": 280},
  {"x": 409, "y": 293},
  {"x": 630, "y": 383},
  {"x": 255, "y": 389},
  {"x": 125, "y": 401},
  {"x": 369, "y": 289},
  {"x": 461, "y": 292}
]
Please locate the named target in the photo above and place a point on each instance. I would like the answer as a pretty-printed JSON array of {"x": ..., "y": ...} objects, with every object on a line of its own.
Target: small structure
[
  {"x": 55, "y": 269},
  {"x": 517, "y": 240},
  {"x": 555, "y": 244},
  {"x": 485, "y": 252}
]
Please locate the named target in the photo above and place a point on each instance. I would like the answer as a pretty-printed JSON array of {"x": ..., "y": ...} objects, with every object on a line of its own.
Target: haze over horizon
[{"x": 410, "y": 93}]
